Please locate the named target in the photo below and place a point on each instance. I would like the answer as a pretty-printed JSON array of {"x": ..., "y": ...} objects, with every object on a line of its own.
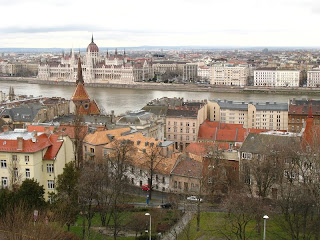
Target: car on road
[
  {"x": 194, "y": 199},
  {"x": 145, "y": 187},
  {"x": 166, "y": 205}
]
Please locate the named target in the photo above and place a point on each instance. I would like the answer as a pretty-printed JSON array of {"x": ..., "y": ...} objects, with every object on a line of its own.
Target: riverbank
[{"x": 177, "y": 87}]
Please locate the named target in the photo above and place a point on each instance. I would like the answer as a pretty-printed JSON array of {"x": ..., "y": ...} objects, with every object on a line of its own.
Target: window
[
  {"x": 194, "y": 131},
  {"x": 194, "y": 124},
  {"x": 92, "y": 150},
  {"x": 175, "y": 184},
  {"x": 187, "y": 124},
  {"x": 181, "y": 130},
  {"x": 187, "y": 138},
  {"x": 140, "y": 172},
  {"x": 50, "y": 168},
  {"x": 16, "y": 173},
  {"x": 4, "y": 182},
  {"x": 187, "y": 130},
  {"x": 50, "y": 184},
  {"x": 140, "y": 183},
  {"x": 3, "y": 163},
  {"x": 27, "y": 172},
  {"x": 26, "y": 158},
  {"x": 163, "y": 180},
  {"x": 179, "y": 185},
  {"x": 175, "y": 123},
  {"x": 181, "y": 123},
  {"x": 14, "y": 157}
]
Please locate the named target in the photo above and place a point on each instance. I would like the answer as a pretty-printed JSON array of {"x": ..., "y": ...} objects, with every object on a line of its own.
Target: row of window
[
  {"x": 181, "y": 124},
  {"x": 181, "y": 130},
  {"x": 4, "y": 183},
  {"x": 50, "y": 167}
]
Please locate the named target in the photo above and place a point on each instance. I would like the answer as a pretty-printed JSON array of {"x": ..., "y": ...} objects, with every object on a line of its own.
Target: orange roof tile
[
  {"x": 28, "y": 145},
  {"x": 36, "y": 128},
  {"x": 53, "y": 150},
  {"x": 80, "y": 94},
  {"x": 101, "y": 137},
  {"x": 93, "y": 108}
]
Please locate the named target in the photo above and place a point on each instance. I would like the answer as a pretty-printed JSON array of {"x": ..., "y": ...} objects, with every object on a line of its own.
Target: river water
[{"x": 122, "y": 100}]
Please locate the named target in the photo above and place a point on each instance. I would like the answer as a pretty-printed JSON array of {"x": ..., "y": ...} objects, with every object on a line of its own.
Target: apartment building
[
  {"x": 148, "y": 151},
  {"x": 268, "y": 115},
  {"x": 229, "y": 74},
  {"x": 313, "y": 77},
  {"x": 190, "y": 72},
  {"x": 273, "y": 77},
  {"x": 299, "y": 111},
  {"x": 182, "y": 123},
  {"x": 41, "y": 156},
  {"x": 204, "y": 73}
]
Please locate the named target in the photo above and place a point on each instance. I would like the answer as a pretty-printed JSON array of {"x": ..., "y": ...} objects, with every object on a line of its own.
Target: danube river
[{"x": 122, "y": 100}]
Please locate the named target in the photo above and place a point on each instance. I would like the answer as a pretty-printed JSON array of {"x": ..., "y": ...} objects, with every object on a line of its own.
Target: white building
[
  {"x": 229, "y": 74},
  {"x": 313, "y": 78},
  {"x": 272, "y": 77},
  {"x": 96, "y": 68},
  {"x": 204, "y": 73}
]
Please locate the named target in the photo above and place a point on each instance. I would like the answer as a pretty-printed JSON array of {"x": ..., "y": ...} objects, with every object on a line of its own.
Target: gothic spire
[
  {"x": 79, "y": 77},
  {"x": 92, "y": 38},
  {"x": 116, "y": 52}
]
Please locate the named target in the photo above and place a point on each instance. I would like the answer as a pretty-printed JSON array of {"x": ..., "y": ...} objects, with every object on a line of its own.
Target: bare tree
[
  {"x": 118, "y": 158},
  {"x": 14, "y": 173},
  {"x": 153, "y": 160}
]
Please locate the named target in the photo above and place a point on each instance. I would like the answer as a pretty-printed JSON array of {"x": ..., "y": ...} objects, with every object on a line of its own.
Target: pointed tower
[{"x": 81, "y": 99}]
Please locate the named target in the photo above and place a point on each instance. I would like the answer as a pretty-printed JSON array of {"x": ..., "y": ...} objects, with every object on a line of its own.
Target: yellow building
[{"x": 41, "y": 156}]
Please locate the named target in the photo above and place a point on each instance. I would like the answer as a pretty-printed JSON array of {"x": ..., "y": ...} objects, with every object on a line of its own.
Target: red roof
[
  {"x": 224, "y": 132},
  {"x": 28, "y": 145},
  {"x": 53, "y": 150},
  {"x": 36, "y": 128}
]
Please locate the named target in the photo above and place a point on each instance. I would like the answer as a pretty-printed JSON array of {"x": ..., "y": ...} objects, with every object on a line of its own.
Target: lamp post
[
  {"x": 265, "y": 217},
  {"x": 148, "y": 214}
]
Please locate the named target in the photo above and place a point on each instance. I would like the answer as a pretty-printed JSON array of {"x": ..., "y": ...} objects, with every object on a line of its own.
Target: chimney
[
  {"x": 19, "y": 143},
  {"x": 5, "y": 128},
  {"x": 35, "y": 136},
  {"x": 146, "y": 143}
]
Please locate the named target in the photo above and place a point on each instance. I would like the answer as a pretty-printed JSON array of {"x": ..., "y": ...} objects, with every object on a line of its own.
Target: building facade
[
  {"x": 96, "y": 68},
  {"x": 268, "y": 115},
  {"x": 229, "y": 74},
  {"x": 273, "y": 77},
  {"x": 182, "y": 123},
  {"x": 27, "y": 155},
  {"x": 313, "y": 78}
]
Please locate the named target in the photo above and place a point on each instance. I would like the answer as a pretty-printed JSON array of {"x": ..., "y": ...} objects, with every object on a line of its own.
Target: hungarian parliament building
[{"x": 97, "y": 69}]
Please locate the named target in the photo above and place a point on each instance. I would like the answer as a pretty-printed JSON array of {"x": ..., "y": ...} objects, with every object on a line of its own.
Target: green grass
[
  {"x": 212, "y": 226},
  {"x": 158, "y": 216}
]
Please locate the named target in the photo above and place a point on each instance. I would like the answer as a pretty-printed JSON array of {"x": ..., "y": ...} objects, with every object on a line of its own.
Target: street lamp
[
  {"x": 265, "y": 217},
  {"x": 148, "y": 214}
]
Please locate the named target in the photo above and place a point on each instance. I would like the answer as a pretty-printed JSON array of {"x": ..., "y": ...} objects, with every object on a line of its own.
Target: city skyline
[{"x": 50, "y": 24}]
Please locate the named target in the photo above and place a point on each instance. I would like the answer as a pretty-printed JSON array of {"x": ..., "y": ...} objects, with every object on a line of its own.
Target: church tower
[{"x": 81, "y": 99}]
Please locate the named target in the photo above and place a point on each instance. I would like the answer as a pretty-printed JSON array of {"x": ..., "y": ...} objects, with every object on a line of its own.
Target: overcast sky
[{"x": 128, "y": 23}]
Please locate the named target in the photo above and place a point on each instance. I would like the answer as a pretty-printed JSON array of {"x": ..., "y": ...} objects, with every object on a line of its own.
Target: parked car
[
  {"x": 166, "y": 205},
  {"x": 145, "y": 187},
  {"x": 194, "y": 199}
]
